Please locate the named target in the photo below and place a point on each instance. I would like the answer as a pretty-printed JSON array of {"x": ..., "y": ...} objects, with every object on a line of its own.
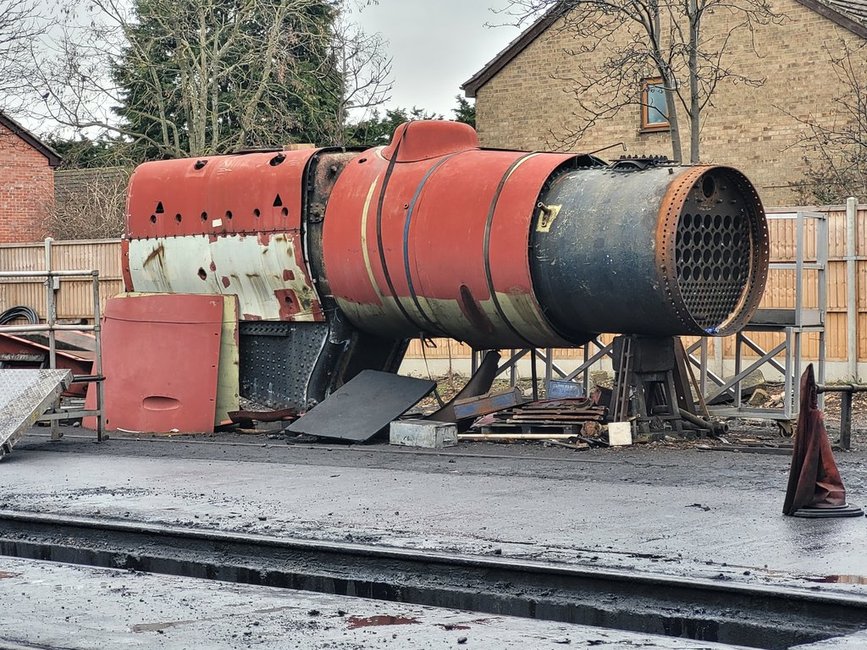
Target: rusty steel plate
[
  {"x": 161, "y": 356},
  {"x": 249, "y": 193},
  {"x": 479, "y": 384},
  {"x": 25, "y": 394},
  {"x": 363, "y": 406},
  {"x": 229, "y": 225}
]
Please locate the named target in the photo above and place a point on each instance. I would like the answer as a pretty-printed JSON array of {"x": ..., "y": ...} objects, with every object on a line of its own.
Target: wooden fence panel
[{"x": 75, "y": 299}]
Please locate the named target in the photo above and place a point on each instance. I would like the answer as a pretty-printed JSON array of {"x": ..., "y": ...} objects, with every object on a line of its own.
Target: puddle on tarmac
[{"x": 355, "y": 622}]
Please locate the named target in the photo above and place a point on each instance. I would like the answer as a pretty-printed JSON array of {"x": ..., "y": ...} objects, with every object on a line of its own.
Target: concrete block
[
  {"x": 619, "y": 434},
  {"x": 423, "y": 433}
]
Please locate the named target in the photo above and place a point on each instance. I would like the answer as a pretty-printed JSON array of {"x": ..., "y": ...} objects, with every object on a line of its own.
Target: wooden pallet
[{"x": 540, "y": 428}]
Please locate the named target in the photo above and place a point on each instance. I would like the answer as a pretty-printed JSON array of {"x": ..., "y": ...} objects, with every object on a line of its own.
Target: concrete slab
[
  {"x": 423, "y": 433},
  {"x": 50, "y": 605},
  {"x": 709, "y": 515}
]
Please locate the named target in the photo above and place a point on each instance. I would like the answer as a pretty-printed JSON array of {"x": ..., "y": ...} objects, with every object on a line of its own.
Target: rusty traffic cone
[{"x": 815, "y": 487}]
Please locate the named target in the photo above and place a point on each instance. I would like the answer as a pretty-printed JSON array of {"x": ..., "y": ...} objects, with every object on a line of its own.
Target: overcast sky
[{"x": 436, "y": 46}]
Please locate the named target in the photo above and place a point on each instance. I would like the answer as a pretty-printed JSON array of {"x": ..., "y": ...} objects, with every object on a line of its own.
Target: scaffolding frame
[
  {"x": 793, "y": 323},
  {"x": 52, "y": 282},
  {"x": 551, "y": 369}
]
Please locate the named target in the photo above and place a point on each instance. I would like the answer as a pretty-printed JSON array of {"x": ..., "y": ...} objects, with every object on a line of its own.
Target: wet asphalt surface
[
  {"x": 82, "y": 607},
  {"x": 663, "y": 510},
  {"x": 649, "y": 508}
]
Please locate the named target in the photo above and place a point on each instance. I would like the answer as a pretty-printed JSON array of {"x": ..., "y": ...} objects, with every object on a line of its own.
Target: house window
[{"x": 654, "y": 111}]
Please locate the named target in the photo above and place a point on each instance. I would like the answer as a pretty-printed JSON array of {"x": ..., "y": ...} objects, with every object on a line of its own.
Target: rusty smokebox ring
[{"x": 712, "y": 249}]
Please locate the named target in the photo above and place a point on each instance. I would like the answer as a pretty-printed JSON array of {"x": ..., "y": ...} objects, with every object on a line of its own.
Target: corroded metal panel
[
  {"x": 278, "y": 360},
  {"x": 161, "y": 361},
  {"x": 249, "y": 193},
  {"x": 24, "y": 396},
  {"x": 228, "y": 377},
  {"x": 266, "y": 272},
  {"x": 227, "y": 225}
]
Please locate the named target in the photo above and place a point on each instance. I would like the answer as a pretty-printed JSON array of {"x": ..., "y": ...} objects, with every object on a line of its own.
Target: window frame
[{"x": 646, "y": 125}]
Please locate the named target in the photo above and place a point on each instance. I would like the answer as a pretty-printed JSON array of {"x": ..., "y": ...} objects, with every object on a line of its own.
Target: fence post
[
  {"x": 51, "y": 287},
  {"x": 852, "y": 288}
]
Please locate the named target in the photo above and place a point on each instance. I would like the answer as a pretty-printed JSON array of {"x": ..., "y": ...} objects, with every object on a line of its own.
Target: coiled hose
[{"x": 14, "y": 313}]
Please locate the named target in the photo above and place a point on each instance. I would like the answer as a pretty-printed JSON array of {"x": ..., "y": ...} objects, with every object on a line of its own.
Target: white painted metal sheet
[{"x": 267, "y": 273}]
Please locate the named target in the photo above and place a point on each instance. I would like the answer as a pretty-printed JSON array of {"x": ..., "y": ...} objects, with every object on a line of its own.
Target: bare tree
[
  {"x": 834, "y": 145},
  {"x": 197, "y": 77},
  {"x": 620, "y": 43},
  {"x": 191, "y": 77},
  {"x": 19, "y": 25},
  {"x": 90, "y": 203},
  {"x": 365, "y": 69}
]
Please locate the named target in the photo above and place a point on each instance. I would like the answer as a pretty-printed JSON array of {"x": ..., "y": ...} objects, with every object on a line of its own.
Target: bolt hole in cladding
[{"x": 434, "y": 235}]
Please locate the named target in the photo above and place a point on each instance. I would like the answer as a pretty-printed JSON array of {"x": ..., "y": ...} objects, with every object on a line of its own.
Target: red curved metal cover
[
  {"x": 217, "y": 195},
  {"x": 439, "y": 244},
  {"x": 161, "y": 363},
  {"x": 228, "y": 225}
]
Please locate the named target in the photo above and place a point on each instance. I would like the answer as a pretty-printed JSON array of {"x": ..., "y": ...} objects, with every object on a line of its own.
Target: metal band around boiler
[
  {"x": 487, "y": 244},
  {"x": 409, "y": 214},
  {"x": 381, "y": 249}
]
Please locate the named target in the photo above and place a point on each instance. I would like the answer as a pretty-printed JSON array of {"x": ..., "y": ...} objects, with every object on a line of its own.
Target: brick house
[
  {"x": 521, "y": 101},
  {"x": 26, "y": 183}
]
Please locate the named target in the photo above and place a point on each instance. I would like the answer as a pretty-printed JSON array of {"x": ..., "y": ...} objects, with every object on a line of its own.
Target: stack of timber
[{"x": 546, "y": 419}]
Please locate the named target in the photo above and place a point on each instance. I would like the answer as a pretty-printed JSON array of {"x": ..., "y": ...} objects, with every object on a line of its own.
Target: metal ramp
[{"x": 24, "y": 396}]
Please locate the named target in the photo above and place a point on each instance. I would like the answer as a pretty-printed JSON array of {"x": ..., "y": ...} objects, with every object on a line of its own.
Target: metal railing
[{"x": 793, "y": 323}]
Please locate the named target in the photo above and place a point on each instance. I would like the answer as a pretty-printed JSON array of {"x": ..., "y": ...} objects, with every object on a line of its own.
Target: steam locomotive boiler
[{"x": 338, "y": 258}]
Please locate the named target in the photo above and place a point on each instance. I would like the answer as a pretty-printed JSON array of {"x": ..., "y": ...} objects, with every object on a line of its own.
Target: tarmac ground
[{"x": 677, "y": 512}]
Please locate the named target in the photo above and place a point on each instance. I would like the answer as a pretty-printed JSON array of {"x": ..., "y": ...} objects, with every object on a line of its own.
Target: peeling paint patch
[
  {"x": 290, "y": 306},
  {"x": 260, "y": 276},
  {"x": 472, "y": 311},
  {"x": 156, "y": 255}
]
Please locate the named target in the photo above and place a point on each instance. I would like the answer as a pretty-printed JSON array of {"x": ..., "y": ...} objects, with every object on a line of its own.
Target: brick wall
[
  {"x": 26, "y": 190},
  {"x": 748, "y": 127}
]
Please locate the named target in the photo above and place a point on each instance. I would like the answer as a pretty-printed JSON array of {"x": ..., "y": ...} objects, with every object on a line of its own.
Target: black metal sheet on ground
[{"x": 363, "y": 406}]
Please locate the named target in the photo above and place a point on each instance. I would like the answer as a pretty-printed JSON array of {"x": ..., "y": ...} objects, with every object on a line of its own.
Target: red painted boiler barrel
[{"x": 506, "y": 249}]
